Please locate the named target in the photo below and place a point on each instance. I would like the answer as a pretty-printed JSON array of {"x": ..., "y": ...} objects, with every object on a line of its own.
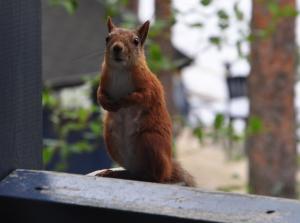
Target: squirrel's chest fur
[
  {"x": 123, "y": 124},
  {"x": 120, "y": 84}
]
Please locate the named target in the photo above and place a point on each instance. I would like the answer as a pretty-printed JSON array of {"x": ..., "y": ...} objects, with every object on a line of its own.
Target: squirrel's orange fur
[{"x": 137, "y": 128}]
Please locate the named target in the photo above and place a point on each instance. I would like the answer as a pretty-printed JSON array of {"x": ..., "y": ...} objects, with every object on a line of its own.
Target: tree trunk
[
  {"x": 272, "y": 151},
  {"x": 163, "y": 12}
]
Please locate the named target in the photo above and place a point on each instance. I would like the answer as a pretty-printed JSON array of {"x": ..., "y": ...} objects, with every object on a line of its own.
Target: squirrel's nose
[{"x": 117, "y": 48}]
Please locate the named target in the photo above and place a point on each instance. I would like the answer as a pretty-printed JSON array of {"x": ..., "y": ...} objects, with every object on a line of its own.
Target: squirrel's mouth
[{"x": 118, "y": 59}]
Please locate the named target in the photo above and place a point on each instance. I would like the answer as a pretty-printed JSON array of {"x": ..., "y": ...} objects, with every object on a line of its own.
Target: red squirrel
[{"x": 137, "y": 127}]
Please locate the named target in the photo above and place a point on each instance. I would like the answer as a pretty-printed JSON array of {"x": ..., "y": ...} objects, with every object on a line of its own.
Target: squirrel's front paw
[
  {"x": 111, "y": 106},
  {"x": 104, "y": 173},
  {"x": 108, "y": 104}
]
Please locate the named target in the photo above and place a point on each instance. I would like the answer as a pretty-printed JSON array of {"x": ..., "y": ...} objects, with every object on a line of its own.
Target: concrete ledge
[{"x": 49, "y": 196}]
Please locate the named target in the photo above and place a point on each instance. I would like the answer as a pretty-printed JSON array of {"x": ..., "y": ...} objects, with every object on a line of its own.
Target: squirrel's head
[{"x": 125, "y": 47}]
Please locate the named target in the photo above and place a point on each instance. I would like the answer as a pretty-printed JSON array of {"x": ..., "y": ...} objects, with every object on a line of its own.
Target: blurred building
[{"x": 72, "y": 45}]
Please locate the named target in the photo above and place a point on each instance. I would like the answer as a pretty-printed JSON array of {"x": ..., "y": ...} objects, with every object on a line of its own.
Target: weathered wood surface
[{"x": 137, "y": 201}]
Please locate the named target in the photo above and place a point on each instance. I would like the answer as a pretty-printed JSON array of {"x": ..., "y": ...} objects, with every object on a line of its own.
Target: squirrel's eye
[
  {"x": 107, "y": 39},
  {"x": 136, "y": 41}
]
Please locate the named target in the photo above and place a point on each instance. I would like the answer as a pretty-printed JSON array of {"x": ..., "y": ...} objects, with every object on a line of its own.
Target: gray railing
[{"x": 40, "y": 196}]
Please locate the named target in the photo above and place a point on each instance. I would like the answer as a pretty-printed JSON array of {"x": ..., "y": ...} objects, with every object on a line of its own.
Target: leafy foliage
[
  {"x": 206, "y": 2},
  {"x": 238, "y": 13},
  {"x": 69, "y": 5},
  {"x": 255, "y": 126},
  {"x": 84, "y": 123},
  {"x": 222, "y": 129}
]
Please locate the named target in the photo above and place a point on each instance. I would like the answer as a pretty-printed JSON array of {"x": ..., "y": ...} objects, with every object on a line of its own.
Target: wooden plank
[
  {"x": 20, "y": 86},
  {"x": 131, "y": 200}
]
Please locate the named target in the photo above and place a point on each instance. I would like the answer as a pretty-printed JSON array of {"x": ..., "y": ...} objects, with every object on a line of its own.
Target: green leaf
[
  {"x": 199, "y": 133},
  {"x": 197, "y": 25},
  {"x": 130, "y": 20},
  {"x": 273, "y": 7},
  {"x": 124, "y": 2},
  {"x": 238, "y": 45},
  {"x": 215, "y": 40},
  {"x": 282, "y": 11},
  {"x": 219, "y": 121},
  {"x": 155, "y": 52},
  {"x": 48, "y": 99},
  {"x": 112, "y": 7},
  {"x": 48, "y": 153},
  {"x": 288, "y": 11},
  {"x": 64, "y": 150},
  {"x": 83, "y": 114},
  {"x": 250, "y": 38},
  {"x": 238, "y": 13},
  {"x": 96, "y": 128},
  {"x": 61, "y": 166},
  {"x": 81, "y": 147},
  {"x": 255, "y": 126},
  {"x": 70, "y": 127},
  {"x": 223, "y": 25},
  {"x": 69, "y": 5},
  {"x": 206, "y": 2},
  {"x": 222, "y": 14},
  {"x": 157, "y": 28}
]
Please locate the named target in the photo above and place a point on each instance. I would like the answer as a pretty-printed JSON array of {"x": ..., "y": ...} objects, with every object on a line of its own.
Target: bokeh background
[{"x": 230, "y": 73}]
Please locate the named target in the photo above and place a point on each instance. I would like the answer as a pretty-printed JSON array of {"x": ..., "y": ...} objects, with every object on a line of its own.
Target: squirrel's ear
[
  {"x": 142, "y": 31},
  {"x": 110, "y": 25}
]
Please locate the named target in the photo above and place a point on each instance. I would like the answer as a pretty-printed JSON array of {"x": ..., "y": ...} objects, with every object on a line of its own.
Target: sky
[{"x": 206, "y": 77}]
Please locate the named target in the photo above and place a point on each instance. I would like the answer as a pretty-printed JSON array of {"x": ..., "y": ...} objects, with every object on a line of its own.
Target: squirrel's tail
[{"x": 181, "y": 176}]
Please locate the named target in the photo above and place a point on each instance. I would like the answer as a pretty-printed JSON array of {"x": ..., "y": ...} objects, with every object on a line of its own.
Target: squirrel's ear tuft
[
  {"x": 142, "y": 31},
  {"x": 110, "y": 24}
]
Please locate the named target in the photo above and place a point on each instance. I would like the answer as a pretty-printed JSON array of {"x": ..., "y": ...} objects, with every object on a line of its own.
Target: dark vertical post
[{"x": 20, "y": 85}]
